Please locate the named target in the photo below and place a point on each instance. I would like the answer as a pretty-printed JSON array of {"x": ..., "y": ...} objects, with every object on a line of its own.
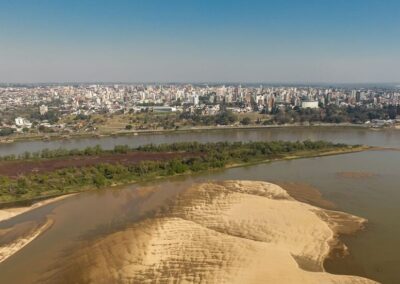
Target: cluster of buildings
[{"x": 87, "y": 99}]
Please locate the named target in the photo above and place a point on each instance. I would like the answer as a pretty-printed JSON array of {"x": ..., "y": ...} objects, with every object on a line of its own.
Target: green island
[{"x": 33, "y": 176}]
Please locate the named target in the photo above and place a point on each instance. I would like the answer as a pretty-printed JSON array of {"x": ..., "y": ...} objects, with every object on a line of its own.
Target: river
[
  {"x": 373, "y": 194},
  {"x": 350, "y": 135}
]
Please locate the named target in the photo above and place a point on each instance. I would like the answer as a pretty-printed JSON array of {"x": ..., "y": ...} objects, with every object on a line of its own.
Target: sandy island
[
  {"x": 27, "y": 231},
  {"x": 15, "y": 238},
  {"x": 217, "y": 232},
  {"x": 8, "y": 213}
]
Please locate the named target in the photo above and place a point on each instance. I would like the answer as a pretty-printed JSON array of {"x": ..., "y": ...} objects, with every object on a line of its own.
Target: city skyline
[{"x": 200, "y": 42}]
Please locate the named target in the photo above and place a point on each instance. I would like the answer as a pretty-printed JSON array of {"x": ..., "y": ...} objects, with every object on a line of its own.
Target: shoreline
[
  {"x": 19, "y": 243},
  {"x": 10, "y": 212},
  {"x": 334, "y": 241},
  {"x": 13, "y": 247},
  {"x": 122, "y": 133},
  {"x": 340, "y": 222},
  {"x": 247, "y": 213},
  {"x": 237, "y": 231},
  {"x": 304, "y": 155}
]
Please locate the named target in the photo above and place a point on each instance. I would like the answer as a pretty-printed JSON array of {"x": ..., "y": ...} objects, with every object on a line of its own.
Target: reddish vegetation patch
[{"x": 17, "y": 168}]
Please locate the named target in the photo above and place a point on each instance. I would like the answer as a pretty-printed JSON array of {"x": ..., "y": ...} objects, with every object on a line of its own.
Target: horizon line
[{"x": 199, "y": 82}]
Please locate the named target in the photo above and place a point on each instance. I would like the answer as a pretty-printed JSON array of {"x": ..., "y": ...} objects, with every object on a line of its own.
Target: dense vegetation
[
  {"x": 6, "y": 131},
  {"x": 196, "y": 118},
  {"x": 62, "y": 152},
  {"x": 212, "y": 156},
  {"x": 334, "y": 114}
]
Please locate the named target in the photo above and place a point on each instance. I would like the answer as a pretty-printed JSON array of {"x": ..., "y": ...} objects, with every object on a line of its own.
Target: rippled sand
[{"x": 222, "y": 232}]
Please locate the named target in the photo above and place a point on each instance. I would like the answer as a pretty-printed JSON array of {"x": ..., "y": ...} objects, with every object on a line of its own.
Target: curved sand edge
[
  {"x": 9, "y": 213},
  {"x": 15, "y": 245},
  {"x": 30, "y": 230},
  {"x": 217, "y": 232}
]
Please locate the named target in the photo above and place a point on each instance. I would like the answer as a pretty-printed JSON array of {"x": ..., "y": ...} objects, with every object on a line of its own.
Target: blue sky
[{"x": 200, "y": 41}]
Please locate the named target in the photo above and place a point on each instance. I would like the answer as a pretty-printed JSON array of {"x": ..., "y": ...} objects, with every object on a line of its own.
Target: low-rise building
[
  {"x": 22, "y": 122},
  {"x": 309, "y": 104}
]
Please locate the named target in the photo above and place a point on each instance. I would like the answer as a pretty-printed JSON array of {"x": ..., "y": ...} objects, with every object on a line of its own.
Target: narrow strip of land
[{"x": 51, "y": 173}]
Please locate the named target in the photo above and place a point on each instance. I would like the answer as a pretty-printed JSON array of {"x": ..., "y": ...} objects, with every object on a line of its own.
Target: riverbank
[
  {"x": 50, "y": 137},
  {"x": 217, "y": 232},
  {"x": 305, "y": 155},
  {"x": 373, "y": 198},
  {"x": 158, "y": 170},
  {"x": 26, "y": 232},
  {"x": 29, "y": 233}
]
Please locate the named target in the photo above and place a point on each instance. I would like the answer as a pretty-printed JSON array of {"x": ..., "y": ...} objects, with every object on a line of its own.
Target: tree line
[
  {"x": 334, "y": 114},
  {"x": 272, "y": 147},
  {"x": 211, "y": 156}
]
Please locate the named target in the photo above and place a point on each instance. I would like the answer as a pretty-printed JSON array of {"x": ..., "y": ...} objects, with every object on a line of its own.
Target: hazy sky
[{"x": 200, "y": 40}]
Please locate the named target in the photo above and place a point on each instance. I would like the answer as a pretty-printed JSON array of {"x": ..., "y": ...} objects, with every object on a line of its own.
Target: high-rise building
[
  {"x": 195, "y": 99},
  {"x": 43, "y": 109}
]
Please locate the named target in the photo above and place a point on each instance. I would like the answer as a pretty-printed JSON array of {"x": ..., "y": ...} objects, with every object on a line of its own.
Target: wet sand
[
  {"x": 306, "y": 193},
  {"x": 216, "y": 232},
  {"x": 14, "y": 239},
  {"x": 8, "y": 213}
]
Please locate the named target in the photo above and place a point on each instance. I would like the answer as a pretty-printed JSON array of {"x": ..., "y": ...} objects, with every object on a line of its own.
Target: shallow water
[{"x": 374, "y": 253}]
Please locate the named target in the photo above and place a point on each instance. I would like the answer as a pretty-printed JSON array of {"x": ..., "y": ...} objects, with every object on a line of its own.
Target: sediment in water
[
  {"x": 217, "y": 232},
  {"x": 15, "y": 238}
]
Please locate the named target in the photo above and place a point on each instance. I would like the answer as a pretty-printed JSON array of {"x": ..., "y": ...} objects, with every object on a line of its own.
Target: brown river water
[{"x": 366, "y": 184}]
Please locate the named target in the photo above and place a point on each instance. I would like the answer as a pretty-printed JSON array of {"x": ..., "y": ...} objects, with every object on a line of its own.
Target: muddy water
[
  {"x": 385, "y": 137},
  {"x": 375, "y": 253},
  {"x": 80, "y": 218}
]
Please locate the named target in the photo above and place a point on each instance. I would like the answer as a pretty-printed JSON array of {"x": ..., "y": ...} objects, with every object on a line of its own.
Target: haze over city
[
  {"x": 200, "y": 141},
  {"x": 200, "y": 41}
]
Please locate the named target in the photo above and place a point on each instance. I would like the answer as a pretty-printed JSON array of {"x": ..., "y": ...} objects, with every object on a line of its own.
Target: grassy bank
[
  {"x": 209, "y": 156},
  {"x": 78, "y": 135}
]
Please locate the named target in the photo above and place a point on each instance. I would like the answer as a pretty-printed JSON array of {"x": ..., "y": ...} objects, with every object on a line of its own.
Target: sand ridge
[
  {"x": 30, "y": 231},
  {"x": 26, "y": 231},
  {"x": 9, "y": 213},
  {"x": 216, "y": 232}
]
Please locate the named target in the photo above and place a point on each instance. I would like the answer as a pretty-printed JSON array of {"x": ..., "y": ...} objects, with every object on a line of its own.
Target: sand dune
[{"x": 224, "y": 232}]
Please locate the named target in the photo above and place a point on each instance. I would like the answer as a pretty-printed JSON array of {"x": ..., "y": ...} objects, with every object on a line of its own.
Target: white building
[
  {"x": 22, "y": 122},
  {"x": 309, "y": 104},
  {"x": 195, "y": 100},
  {"x": 43, "y": 109},
  {"x": 163, "y": 109}
]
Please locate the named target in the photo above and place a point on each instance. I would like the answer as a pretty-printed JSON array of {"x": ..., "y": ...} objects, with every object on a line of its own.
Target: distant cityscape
[{"x": 37, "y": 108}]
